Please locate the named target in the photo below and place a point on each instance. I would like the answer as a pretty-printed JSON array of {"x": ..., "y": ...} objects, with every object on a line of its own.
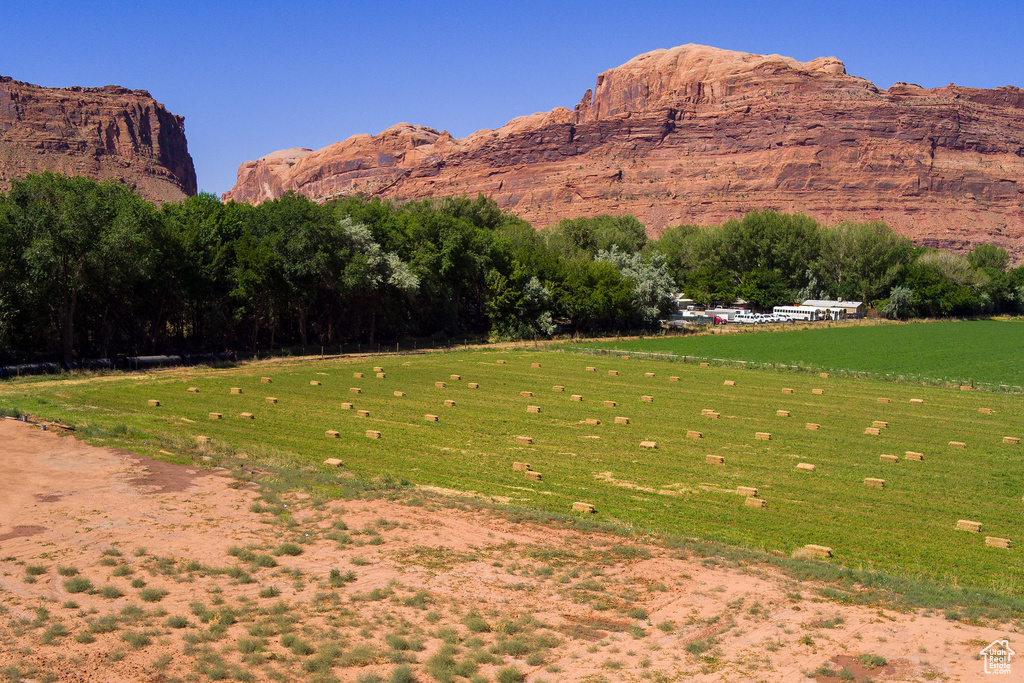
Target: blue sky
[{"x": 254, "y": 77}]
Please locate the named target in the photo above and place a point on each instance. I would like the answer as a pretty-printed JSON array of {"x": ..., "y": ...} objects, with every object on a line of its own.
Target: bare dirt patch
[{"x": 120, "y": 568}]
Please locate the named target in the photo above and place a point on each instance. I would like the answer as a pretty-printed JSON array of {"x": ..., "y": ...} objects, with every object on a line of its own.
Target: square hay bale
[
  {"x": 534, "y": 365},
  {"x": 673, "y": 379},
  {"x": 524, "y": 440},
  {"x": 377, "y": 368},
  {"x": 1011, "y": 439},
  {"x": 372, "y": 434},
  {"x": 473, "y": 385},
  {"x": 885, "y": 457},
  {"x": 193, "y": 390},
  {"x": 787, "y": 390},
  {"x": 576, "y": 397},
  {"x": 586, "y": 508},
  {"x": 332, "y": 434},
  {"x": 357, "y": 375},
  {"x": 805, "y": 466},
  {"x": 399, "y": 394},
  {"x": 875, "y": 431},
  {"x": 610, "y": 404},
  {"x": 957, "y": 444},
  {"x": 694, "y": 434},
  {"x": 449, "y": 403},
  {"x": 967, "y": 525},
  {"x": 823, "y": 375},
  {"x": 266, "y": 380},
  {"x": 714, "y": 460},
  {"x": 526, "y": 394},
  {"x": 985, "y": 411},
  {"x": 333, "y": 462},
  {"x": 812, "y": 426},
  {"x": 271, "y": 399},
  {"x": 236, "y": 390},
  {"x": 558, "y": 387},
  {"x": 533, "y": 409},
  {"x": 382, "y": 375},
  {"x": 782, "y": 413},
  {"x": 705, "y": 365},
  {"x": 501, "y": 361},
  {"x": 315, "y": 383},
  {"x": 817, "y": 392},
  {"x": 755, "y": 503},
  {"x": 622, "y": 420},
  {"x": 153, "y": 402},
  {"x": 966, "y": 387},
  {"x": 705, "y": 411},
  {"x": 763, "y": 436},
  {"x": 521, "y": 466},
  {"x": 648, "y": 444},
  {"x": 440, "y": 385},
  {"x": 215, "y": 416},
  {"x": 533, "y": 476},
  {"x": 624, "y": 357},
  {"x": 713, "y": 415},
  {"x": 913, "y": 455},
  {"x": 648, "y": 374},
  {"x": 591, "y": 369},
  {"x": 362, "y": 413},
  {"x": 871, "y": 482},
  {"x": 592, "y": 421},
  {"x": 455, "y": 377},
  {"x": 613, "y": 373},
  {"x": 917, "y": 400},
  {"x": 430, "y": 418},
  {"x": 203, "y": 440},
  {"x": 993, "y": 542},
  {"x": 247, "y": 416},
  {"x": 748, "y": 491},
  {"x": 647, "y": 399},
  {"x": 348, "y": 406},
  {"x": 355, "y": 390},
  {"x": 885, "y": 400},
  {"x": 729, "y": 383},
  {"x": 818, "y": 550},
  {"x": 880, "y": 424}
]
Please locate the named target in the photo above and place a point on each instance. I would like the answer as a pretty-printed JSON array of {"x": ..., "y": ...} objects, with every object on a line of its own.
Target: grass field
[
  {"x": 906, "y": 529},
  {"x": 987, "y": 352}
]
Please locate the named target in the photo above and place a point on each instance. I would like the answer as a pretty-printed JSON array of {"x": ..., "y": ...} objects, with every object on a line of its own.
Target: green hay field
[
  {"x": 906, "y": 529},
  {"x": 984, "y": 351}
]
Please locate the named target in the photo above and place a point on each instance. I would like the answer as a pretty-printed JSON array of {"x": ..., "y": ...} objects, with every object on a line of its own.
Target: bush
[
  {"x": 177, "y": 621},
  {"x": 152, "y": 594},
  {"x": 511, "y": 674},
  {"x": 77, "y": 585},
  {"x": 110, "y": 592},
  {"x": 136, "y": 639},
  {"x": 402, "y": 674},
  {"x": 291, "y": 549}
]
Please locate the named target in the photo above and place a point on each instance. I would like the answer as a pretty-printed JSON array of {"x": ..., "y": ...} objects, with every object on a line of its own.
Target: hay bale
[
  {"x": 357, "y": 375},
  {"x": 153, "y": 402},
  {"x": 871, "y": 482},
  {"x": 333, "y": 462},
  {"x": 647, "y": 399},
  {"x": 524, "y": 440},
  {"x": 266, "y": 380},
  {"x": 755, "y": 503},
  {"x": 874, "y": 431},
  {"x": 1011, "y": 439},
  {"x": 917, "y": 400},
  {"x": 534, "y": 365},
  {"x": 440, "y": 385},
  {"x": 591, "y": 369},
  {"x": 912, "y": 455},
  {"x": 782, "y": 413},
  {"x": 729, "y": 383},
  {"x": 382, "y": 375},
  {"x": 430, "y": 418},
  {"x": 455, "y": 377},
  {"x": 332, "y": 434},
  {"x": 613, "y": 373},
  {"x": 812, "y": 426},
  {"x": 501, "y": 361},
  {"x": 193, "y": 390},
  {"x": 648, "y": 444},
  {"x": 315, "y": 383},
  {"x": 705, "y": 365},
  {"x": 994, "y": 542},
  {"x": 966, "y": 387},
  {"x": 355, "y": 390},
  {"x": 787, "y": 390},
  {"x": 823, "y": 375},
  {"x": 967, "y": 525},
  {"x": 693, "y": 434},
  {"x": 377, "y": 368},
  {"x": 201, "y": 440},
  {"x": 449, "y": 403},
  {"x": 763, "y": 436},
  {"x": 985, "y": 411},
  {"x": 533, "y": 409},
  {"x": 818, "y": 550},
  {"x": 592, "y": 421},
  {"x": 558, "y": 387},
  {"x": 714, "y": 460},
  {"x": 533, "y": 476},
  {"x": 622, "y": 420},
  {"x": 271, "y": 399},
  {"x": 885, "y": 457},
  {"x": 187, "y": 421},
  {"x": 362, "y": 413},
  {"x": 648, "y": 374},
  {"x": 526, "y": 394},
  {"x": 247, "y": 416},
  {"x": 610, "y": 404},
  {"x": 817, "y": 392},
  {"x": 576, "y": 397},
  {"x": 748, "y": 491},
  {"x": 215, "y": 416},
  {"x": 713, "y": 415},
  {"x": 399, "y": 394},
  {"x": 957, "y": 444},
  {"x": 521, "y": 466},
  {"x": 805, "y": 466},
  {"x": 348, "y": 406},
  {"x": 586, "y": 508},
  {"x": 885, "y": 400},
  {"x": 673, "y": 379},
  {"x": 880, "y": 424},
  {"x": 473, "y": 385},
  {"x": 372, "y": 434},
  {"x": 236, "y": 390}
]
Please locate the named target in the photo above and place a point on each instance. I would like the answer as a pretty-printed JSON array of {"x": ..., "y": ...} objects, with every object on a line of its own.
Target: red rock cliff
[
  {"x": 699, "y": 135},
  {"x": 108, "y": 133}
]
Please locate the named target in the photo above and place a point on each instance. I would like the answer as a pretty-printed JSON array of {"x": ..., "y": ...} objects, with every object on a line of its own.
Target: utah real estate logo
[{"x": 997, "y": 657}]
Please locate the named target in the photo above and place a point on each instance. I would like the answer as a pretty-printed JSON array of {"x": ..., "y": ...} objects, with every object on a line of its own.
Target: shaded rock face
[
  {"x": 107, "y": 133},
  {"x": 700, "y": 135}
]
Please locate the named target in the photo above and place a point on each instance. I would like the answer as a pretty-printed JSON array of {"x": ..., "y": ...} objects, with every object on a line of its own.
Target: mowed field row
[{"x": 906, "y": 528}]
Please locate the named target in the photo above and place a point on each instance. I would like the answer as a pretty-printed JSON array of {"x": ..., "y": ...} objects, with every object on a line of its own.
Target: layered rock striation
[
  {"x": 698, "y": 135},
  {"x": 108, "y": 133}
]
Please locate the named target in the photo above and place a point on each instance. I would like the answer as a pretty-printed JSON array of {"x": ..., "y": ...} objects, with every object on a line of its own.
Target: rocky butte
[
  {"x": 108, "y": 133},
  {"x": 698, "y": 135}
]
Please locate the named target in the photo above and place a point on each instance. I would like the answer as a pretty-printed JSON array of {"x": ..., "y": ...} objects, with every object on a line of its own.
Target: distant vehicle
[
  {"x": 747, "y": 318},
  {"x": 721, "y": 320}
]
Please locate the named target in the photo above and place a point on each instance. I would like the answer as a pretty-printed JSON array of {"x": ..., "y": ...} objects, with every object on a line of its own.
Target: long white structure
[{"x": 810, "y": 313}]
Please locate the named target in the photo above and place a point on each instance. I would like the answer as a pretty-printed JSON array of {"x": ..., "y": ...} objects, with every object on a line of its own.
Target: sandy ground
[{"x": 450, "y": 592}]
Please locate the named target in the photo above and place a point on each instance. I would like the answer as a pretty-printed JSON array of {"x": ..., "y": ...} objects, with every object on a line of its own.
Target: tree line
[{"x": 91, "y": 270}]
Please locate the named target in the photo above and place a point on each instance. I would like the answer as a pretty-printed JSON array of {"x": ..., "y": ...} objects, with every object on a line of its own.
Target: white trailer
[{"x": 809, "y": 313}]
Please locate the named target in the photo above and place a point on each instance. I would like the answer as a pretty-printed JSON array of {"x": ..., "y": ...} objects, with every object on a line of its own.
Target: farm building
[{"x": 839, "y": 309}]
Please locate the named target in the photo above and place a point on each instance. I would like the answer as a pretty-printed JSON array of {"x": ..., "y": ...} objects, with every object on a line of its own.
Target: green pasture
[
  {"x": 906, "y": 529},
  {"x": 989, "y": 352}
]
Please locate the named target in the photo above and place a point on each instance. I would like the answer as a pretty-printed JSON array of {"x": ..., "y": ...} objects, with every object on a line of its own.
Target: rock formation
[
  {"x": 699, "y": 135},
  {"x": 108, "y": 133}
]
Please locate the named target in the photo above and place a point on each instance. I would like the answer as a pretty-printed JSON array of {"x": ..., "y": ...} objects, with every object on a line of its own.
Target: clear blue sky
[{"x": 254, "y": 77}]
